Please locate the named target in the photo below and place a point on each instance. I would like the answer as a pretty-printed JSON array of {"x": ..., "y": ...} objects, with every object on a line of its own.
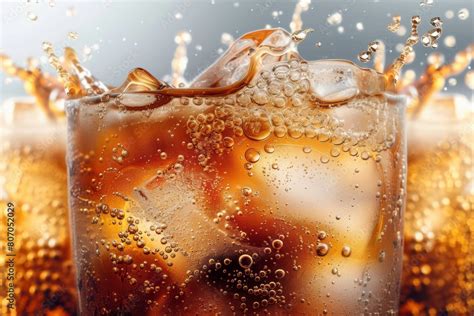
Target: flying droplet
[
  {"x": 373, "y": 46},
  {"x": 469, "y": 79},
  {"x": 436, "y": 59},
  {"x": 364, "y": 56},
  {"x": 395, "y": 24},
  {"x": 426, "y": 3},
  {"x": 463, "y": 14},
  {"x": 449, "y": 14},
  {"x": 300, "y": 35},
  {"x": 335, "y": 18},
  {"x": 73, "y": 35},
  {"x": 32, "y": 16},
  {"x": 450, "y": 41},
  {"x": 227, "y": 39},
  {"x": 71, "y": 11}
]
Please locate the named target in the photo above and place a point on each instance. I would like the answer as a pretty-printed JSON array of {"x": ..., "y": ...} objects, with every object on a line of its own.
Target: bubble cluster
[{"x": 43, "y": 266}]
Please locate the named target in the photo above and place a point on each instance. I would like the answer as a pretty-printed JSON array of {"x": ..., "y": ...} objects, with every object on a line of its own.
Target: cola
[
  {"x": 269, "y": 185},
  {"x": 33, "y": 184}
]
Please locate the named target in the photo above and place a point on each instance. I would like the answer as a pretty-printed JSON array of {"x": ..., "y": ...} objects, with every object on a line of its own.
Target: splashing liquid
[
  {"x": 434, "y": 78},
  {"x": 393, "y": 74},
  {"x": 180, "y": 59},
  {"x": 46, "y": 90},
  {"x": 296, "y": 21}
]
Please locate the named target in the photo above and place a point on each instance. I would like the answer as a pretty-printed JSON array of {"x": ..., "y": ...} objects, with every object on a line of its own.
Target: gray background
[{"x": 128, "y": 34}]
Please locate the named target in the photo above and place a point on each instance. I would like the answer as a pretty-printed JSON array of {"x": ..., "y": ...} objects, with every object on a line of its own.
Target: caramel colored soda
[
  {"x": 438, "y": 275},
  {"x": 437, "y": 271},
  {"x": 272, "y": 185},
  {"x": 33, "y": 180}
]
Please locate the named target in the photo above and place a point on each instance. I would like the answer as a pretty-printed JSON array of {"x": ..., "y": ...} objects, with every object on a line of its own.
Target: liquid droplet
[
  {"x": 364, "y": 56},
  {"x": 463, "y": 14},
  {"x": 335, "y": 18},
  {"x": 395, "y": 24},
  {"x": 469, "y": 79},
  {"x": 32, "y": 16},
  {"x": 73, "y": 35},
  {"x": 450, "y": 41},
  {"x": 426, "y": 3},
  {"x": 300, "y": 35}
]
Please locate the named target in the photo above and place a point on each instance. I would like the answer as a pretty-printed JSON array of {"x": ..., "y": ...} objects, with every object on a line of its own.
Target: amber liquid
[
  {"x": 437, "y": 277},
  {"x": 265, "y": 195},
  {"x": 33, "y": 174}
]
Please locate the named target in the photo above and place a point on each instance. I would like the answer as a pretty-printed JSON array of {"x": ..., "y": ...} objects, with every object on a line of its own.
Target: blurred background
[{"x": 112, "y": 37}]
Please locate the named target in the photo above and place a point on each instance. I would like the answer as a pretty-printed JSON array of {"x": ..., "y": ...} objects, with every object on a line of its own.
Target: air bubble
[
  {"x": 269, "y": 148},
  {"x": 382, "y": 256},
  {"x": 246, "y": 191},
  {"x": 252, "y": 155},
  {"x": 257, "y": 128},
  {"x": 245, "y": 261},
  {"x": 277, "y": 244},
  {"x": 322, "y": 249},
  {"x": 280, "y": 273},
  {"x": 324, "y": 159},
  {"x": 346, "y": 251}
]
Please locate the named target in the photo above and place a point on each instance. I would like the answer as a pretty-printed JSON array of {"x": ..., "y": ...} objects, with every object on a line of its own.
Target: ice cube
[
  {"x": 337, "y": 80},
  {"x": 310, "y": 189},
  {"x": 234, "y": 63},
  {"x": 176, "y": 208}
]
